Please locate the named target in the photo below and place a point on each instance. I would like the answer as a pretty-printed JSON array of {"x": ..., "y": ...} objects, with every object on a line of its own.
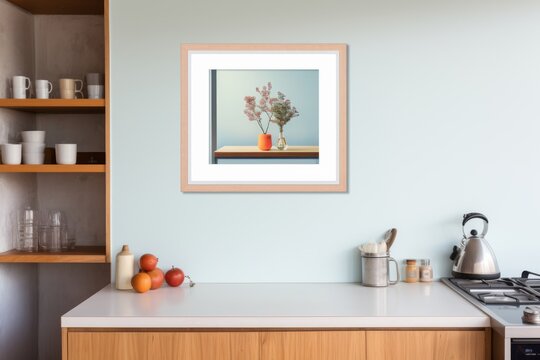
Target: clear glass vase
[{"x": 281, "y": 141}]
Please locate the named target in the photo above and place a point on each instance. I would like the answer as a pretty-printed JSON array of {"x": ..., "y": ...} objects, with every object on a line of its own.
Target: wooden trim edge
[
  {"x": 64, "y": 344},
  {"x": 107, "y": 135}
]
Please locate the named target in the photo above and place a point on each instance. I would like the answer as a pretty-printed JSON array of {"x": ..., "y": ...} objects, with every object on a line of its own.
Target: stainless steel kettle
[{"x": 474, "y": 258}]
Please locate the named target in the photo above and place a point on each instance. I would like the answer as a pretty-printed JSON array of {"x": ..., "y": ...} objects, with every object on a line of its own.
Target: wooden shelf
[
  {"x": 55, "y": 105},
  {"x": 81, "y": 254},
  {"x": 244, "y": 152},
  {"x": 61, "y": 7},
  {"x": 98, "y": 168}
]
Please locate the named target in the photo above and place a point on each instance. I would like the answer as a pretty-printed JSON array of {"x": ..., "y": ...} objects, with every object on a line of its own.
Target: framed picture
[{"x": 263, "y": 118}]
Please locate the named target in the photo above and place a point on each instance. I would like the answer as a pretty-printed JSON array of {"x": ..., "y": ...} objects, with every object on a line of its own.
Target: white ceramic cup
[
  {"x": 69, "y": 88},
  {"x": 33, "y": 136},
  {"x": 66, "y": 154},
  {"x": 11, "y": 154},
  {"x": 33, "y": 147},
  {"x": 95, "y": 91},
  {"x": 33, "y": 153},
  {"x": 20, "y": 84},
  {"x": 33, "y": 158},
  {"x": 43, "y": 89}
]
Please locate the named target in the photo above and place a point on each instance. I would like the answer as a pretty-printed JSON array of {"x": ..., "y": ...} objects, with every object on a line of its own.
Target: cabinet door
[
  {"x": 163, "y": 345},
  {"x": 313, "y": 345},
  {"x": 426, "y": 345}
]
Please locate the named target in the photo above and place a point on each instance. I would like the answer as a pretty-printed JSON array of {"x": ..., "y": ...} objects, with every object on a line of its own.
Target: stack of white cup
[{"x": 33, "y": 147}]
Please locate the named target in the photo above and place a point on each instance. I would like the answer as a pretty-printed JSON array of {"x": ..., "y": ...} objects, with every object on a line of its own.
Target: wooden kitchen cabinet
[
  {"x": 312, "y": 345},
  {"x": 242, "y": 345},
  {"x": 145, "y": 345},
  {"x": 428, "y": 345}
]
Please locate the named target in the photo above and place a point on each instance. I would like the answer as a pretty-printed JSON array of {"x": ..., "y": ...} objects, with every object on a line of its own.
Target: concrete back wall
[
  {"x": 443, "y": 120},
  {"x": 18, "y": 282}
]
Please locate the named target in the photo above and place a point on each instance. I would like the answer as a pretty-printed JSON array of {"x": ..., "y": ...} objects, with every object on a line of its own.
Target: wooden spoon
[{"x": 391, "y": 236}]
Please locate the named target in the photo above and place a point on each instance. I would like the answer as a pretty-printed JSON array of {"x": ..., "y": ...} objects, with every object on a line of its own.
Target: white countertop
[{"x": 279, "y": 305}]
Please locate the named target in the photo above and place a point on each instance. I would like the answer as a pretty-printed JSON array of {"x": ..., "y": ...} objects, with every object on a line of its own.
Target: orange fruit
[{"x": 141, "y": 282}]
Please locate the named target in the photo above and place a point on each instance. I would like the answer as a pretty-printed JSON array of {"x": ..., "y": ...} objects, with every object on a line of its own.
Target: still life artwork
[{"x": 258, "y": 118}]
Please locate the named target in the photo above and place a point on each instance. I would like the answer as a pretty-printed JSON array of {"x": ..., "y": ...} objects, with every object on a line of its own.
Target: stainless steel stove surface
[
  {"x": 507, "y": 291},
  {"x": 512, "y": 303}
]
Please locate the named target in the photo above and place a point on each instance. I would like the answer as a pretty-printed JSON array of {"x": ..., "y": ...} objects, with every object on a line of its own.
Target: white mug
[
  {"x": 11, "y": 154},
  {"x": 66, "y": 154},
  {"x": 95, "y": 91},
  {"x": 43, "y": 89},
  {"x": 69, "y": 90},
  {"x": 20, "y": 84}
]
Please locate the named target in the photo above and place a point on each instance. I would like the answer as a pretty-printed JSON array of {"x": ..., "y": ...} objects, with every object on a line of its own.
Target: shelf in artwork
[{"x": 253, "y": 152}]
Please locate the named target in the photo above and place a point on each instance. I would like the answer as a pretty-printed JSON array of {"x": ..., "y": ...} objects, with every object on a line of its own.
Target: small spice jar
[
  {"x": 411, "y": 271},
  {"x": 426, "y": 271}
]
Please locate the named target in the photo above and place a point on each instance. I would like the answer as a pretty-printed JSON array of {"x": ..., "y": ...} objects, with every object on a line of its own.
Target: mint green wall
[
  {"x": 300, "y": 86},
  {"x": 443, "y": 119}
]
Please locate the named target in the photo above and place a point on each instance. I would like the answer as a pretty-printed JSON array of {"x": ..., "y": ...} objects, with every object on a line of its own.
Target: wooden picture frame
[{"x": 200, "y": 167}]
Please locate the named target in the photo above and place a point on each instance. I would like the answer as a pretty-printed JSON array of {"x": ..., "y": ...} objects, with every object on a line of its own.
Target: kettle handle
[
  {"x": 471, "y": 216},
  {"x": 475, "y": 215}
]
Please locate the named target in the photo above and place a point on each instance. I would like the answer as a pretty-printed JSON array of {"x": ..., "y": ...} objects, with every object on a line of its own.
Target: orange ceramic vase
[{"x": 265, "y": 142}]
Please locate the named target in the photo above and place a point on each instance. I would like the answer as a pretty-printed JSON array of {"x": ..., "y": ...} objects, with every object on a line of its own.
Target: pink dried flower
[{"x": 277, "y": 109}]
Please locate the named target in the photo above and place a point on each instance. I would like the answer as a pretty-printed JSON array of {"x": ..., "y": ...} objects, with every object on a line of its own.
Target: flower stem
[
  {"x": 260, "y": 125},
  {"x": 269, "y": 119}
]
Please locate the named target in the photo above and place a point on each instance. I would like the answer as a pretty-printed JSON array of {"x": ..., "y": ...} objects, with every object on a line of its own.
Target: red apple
[
  {"x": 148, "y": 262},
  {"x": 174, "y": 277},
  {"x": 157, "y": 277}
]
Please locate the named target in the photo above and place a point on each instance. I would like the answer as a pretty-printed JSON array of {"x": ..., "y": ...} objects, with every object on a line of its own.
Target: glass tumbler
[
  {"x": 26, "y": 237},
  {"x": 53, "y": 232},
  {"x": 52, "y": 238}
]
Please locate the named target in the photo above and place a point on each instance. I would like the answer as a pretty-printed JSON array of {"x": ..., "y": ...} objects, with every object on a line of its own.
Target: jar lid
[{"x": 411, "y": 261}]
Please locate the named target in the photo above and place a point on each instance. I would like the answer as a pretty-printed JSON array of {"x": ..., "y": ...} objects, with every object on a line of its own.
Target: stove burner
[
  {"x": 505, "y": 297},
  {"x": 504, "y": 291}
]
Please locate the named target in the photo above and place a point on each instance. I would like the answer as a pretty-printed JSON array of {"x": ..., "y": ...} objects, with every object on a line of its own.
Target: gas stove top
[
  {"x": 503, "y": 291},
  {"x": 513, "y": 305},
  {"x": 509, "y": 299}
]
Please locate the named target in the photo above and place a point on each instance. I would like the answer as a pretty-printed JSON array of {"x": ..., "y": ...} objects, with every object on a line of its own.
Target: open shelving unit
[{"x": 78, "y": 108}]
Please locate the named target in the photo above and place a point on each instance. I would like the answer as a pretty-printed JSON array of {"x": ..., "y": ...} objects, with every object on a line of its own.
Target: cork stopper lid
[{"x": 411, "y": 261}]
